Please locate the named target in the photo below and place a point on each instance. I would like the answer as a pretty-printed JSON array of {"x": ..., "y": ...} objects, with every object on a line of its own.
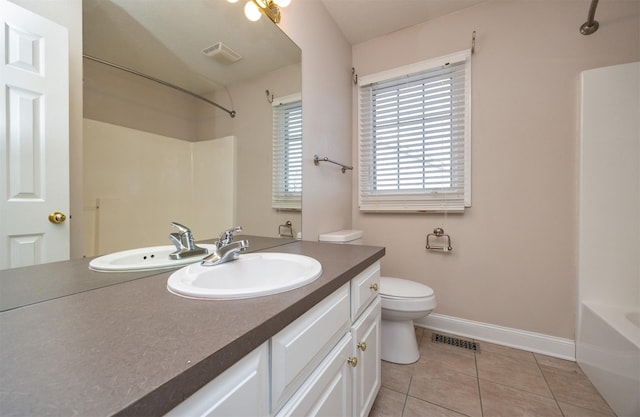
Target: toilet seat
[
  {"x": 403, "y": 288},
  {"x": 406, "y": 296}
]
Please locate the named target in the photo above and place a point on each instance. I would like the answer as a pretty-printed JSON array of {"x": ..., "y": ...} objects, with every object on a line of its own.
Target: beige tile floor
[{"x": 450, "y": 381}]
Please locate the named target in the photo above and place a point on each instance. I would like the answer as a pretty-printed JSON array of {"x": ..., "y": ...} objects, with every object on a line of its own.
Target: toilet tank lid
[
  {"x": 346, "y": 235},
  {"x": 397, "y": 287}
]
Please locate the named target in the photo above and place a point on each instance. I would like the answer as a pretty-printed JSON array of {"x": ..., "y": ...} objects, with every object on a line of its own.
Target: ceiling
[
  {"x": 361, "y": 20},
  {"x": 166, "y": 42}
]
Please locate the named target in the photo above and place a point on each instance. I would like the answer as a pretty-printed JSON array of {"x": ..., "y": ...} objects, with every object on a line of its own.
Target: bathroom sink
[
  {"x": 251, "y": 275},
  {"x": 143, "y": 259}
]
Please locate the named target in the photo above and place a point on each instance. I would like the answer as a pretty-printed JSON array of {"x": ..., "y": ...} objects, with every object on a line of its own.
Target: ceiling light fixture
[{"x": 270, "y": 8}]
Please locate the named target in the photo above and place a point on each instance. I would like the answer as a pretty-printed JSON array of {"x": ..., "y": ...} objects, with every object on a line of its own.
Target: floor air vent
[{"x": 454, "y": 341}]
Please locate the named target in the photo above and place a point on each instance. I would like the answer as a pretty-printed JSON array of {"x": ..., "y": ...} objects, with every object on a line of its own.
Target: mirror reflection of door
[{"x": 34, "y": 104}]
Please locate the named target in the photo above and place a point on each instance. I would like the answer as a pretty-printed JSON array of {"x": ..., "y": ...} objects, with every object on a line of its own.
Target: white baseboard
[{"x": 520, "y": 339}]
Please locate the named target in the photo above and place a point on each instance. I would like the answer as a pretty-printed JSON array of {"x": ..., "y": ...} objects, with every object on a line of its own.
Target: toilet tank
[{"x": 352, "y": 237}]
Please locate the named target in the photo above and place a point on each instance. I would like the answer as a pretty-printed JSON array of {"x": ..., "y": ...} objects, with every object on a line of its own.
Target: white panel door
[{"x": 34, "y": 134}]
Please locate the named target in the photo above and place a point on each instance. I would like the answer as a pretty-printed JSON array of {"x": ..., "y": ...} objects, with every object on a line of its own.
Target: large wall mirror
[{"x": 152, "y": 154}]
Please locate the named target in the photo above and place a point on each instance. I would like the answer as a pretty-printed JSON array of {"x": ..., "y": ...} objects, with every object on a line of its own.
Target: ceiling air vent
[{"x": 222, "y": 53}]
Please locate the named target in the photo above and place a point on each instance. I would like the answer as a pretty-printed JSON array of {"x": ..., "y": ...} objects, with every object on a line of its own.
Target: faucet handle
[
  {"x": 182, "y": 229},
  {"x": 185, "y": 235},
  {"x": 175, "y": 239},
  {"x": 227, "y": 236}
]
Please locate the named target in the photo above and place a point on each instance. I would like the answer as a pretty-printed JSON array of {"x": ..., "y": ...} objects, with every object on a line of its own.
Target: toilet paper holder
[
  {"x": 438, "y": 232},
  {"x": 286, "y": 230}
]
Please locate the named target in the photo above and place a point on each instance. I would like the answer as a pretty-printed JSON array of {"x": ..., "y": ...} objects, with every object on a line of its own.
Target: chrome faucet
[
  {"x": 226, "y": 250},
  {"x": 183, "y": 241}
]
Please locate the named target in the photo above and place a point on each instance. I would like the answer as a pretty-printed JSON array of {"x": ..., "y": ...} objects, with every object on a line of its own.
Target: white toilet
[{"x": 402, "y": 302}]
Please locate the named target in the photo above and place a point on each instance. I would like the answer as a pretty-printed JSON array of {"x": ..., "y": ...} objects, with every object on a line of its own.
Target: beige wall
[
  {"x": 515, "y": 250},
  {"x": 326, "y": 104},
  {"x": 253, "y": 126},
  {"x": 68, "y": 13}
]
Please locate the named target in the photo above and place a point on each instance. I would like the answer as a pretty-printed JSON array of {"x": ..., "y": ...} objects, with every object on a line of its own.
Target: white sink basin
[
  {"x": 143, "y": 259},
  {"x": 251, "y": 275}
]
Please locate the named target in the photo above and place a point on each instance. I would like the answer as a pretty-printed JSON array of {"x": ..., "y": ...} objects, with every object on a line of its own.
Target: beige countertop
[{"x": 136, "y": 349}]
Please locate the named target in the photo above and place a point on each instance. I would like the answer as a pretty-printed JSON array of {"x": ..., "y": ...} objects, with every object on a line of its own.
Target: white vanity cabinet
[
  {"x": 348, "y": 379},
  {"x": 227, "y": 395},
  {"x": 326, "y": 362}
]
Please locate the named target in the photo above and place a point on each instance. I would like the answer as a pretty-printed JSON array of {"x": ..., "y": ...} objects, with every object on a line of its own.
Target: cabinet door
[
  {"x": 329, "y": 390},
  {"x": 242, "y": 390},
  {"x": 366, "y": 344},
  {"x": 298, "y": 348}
]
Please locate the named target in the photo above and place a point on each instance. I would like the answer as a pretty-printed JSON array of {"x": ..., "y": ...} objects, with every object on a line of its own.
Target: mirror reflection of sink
[
  {"x": 143, "y": 259},
  {"x": 251, "y": 275}
]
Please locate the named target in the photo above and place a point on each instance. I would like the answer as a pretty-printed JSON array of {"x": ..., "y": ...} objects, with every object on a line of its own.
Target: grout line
[
  {"x": 391, "y": 389},
  {"x": 404, "y": 406},
  {"x": 439, "y": 405},
  {"x": 548, "y": 386},
  {"x": 475, "y": 361},
  {"x": 406, "y": 397}
]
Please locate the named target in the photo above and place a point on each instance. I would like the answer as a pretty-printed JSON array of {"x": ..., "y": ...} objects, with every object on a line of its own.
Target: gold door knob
[
  {"x": 362, "y": 346},
  {"x": 56, "y": 217},
  {"x": 352, "y": 361},
  {"x": 374, "y": 287}
]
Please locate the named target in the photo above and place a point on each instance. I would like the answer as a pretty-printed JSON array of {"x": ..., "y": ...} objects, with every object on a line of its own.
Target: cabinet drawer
[
  {"x": 300, "y": 347},
  {"x": 364, "y": 288},
  {"x": 328, "y": 391}
]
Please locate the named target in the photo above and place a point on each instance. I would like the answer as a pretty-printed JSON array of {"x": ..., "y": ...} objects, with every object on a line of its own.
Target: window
[
  {"x": 415, "y": 137},
  {"x": 286, "y": 190}
]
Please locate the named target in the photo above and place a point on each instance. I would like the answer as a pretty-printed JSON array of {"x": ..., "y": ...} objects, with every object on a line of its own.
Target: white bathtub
[{"x": 608, "y": 351}]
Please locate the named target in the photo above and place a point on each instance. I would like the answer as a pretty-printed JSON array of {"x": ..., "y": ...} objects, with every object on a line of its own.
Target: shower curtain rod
[
  {"x": 591, "y": 25},
  {"x": 231, "y": 113}
]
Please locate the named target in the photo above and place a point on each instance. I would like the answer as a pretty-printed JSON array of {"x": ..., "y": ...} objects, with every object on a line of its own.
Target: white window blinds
[
  {"x": 415, "y": 137},
  {"x": 287, "y": 153}
]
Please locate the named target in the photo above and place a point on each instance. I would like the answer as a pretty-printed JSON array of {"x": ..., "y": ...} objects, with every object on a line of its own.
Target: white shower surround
[{"x": 608, "y": 333}]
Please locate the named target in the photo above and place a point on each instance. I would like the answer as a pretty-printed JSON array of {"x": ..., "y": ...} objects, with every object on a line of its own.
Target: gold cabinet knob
[
  {"x": 374, "y": 287},
  {"x": 352, "y": 361},
  {"x": 362, "y": 346},
  {"x": 56, "y": 217}
]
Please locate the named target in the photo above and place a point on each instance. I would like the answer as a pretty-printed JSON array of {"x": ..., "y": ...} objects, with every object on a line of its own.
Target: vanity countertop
[{"x": 136, "y": 349}]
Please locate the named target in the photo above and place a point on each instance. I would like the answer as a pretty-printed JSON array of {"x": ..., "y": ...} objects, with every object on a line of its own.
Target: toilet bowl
[{"x": 402, "y": 302}]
